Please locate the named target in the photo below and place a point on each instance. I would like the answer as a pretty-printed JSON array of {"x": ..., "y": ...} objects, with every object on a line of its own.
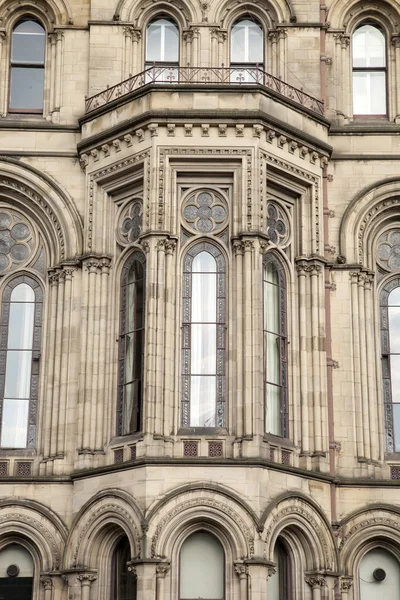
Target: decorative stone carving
[
  {"x": 277, "y": 225},
  {"x": 205, "y": 211},
  {"x": 388, "y": 251},
  {"x": 130, "y": 222},
  {"x": 16, "y": 240}
]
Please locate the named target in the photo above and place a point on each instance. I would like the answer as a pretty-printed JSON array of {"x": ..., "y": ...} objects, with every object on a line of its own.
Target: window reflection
[
  {"x": 369, "y": 71},
  {"x": 27, "y": 67},
  {"x": 202, "y": 566},
  {"x": 274, "y": 350}
]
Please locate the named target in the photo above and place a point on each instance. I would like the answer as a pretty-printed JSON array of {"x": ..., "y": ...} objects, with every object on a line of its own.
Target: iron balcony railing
[{"x": 204, "y": 76}]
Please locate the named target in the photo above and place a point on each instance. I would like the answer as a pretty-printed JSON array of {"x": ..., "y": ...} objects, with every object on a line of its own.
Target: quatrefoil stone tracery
[
  {"x": 388, "y": 251},
  {"x": 131, "y": 222},
  {"x": 277, "y": 228},
  {"x": 205, "y": 212},
  {"x": 16, "y": 240}
]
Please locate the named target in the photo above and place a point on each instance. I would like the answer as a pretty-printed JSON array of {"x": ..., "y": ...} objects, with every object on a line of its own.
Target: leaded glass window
[
  {"x": 19, "y": 361},
  {"x": 369, "y": 70},
  {"x": 275, "y": 347},
  {"x": 202, "y": 567},
  {"x": 390, "y": 340},
  {"x": 203, "y": 337},
  {"x": 28, "y": 42},
  {"x": 131, "y": 345}
]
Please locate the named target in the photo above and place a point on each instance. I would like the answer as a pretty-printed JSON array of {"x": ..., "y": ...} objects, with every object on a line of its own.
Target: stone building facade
[{"x": 200, "y": 275}]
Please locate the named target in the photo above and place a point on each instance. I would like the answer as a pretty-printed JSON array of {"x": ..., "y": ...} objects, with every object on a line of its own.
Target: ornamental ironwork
[
  {"x": 16, "y": 241},
  {"x": 388, "y": 251},
  {"x": 205, "y": 212}
]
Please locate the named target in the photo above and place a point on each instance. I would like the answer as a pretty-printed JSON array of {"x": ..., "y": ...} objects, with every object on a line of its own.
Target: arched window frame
[
  {"x": 116, "y": 569},
  {"x": 220, "y": 336},
  {"x": 139, "y": 257},
  {"x": 161, "y": 64},
  {"x": 388, "y": 287},
  {"x": 272, "y": 258},
  {"x": 36, "y": 344},
  {"x": 246, "y": 70},
  {"x": 15, "y": 65},
  {"x": 366, "y": 70}
]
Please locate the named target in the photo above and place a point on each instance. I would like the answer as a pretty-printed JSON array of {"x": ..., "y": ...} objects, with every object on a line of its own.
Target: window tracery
[
  {"x": 205, "y": 211},
  {"x": 130, "y": 222},
  {"x": 16, "y": 240}
]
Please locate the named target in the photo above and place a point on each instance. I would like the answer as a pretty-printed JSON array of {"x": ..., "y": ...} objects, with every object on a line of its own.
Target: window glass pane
[
  {"x": 271, "y": 273},
  {"x": 202, "y": 567},
  {"x": 18, "y": 374},
  {"x": 130, "y": 409},
  {"x": 369, "y": 93},
  {"x": 247, "y": 42},
  {"x": 14, "y": 426},
  {"x": 202, "y": 401},
  {"x": 272, "y": 367},
  {"x": 203, "y": 349},
  {"x": 394, "y": 328},
  {"x": 204, "y": 298},
  {"x": 396, "y": 426},
  {"x": 28, "y": 43},
  {"x": 162, "y": 41},
  {"x": 22, "y": 293},
  {"x": 20, "y": 330},
  {"x": 26, "y": 88},
  {"x": 271, "y": 308},
  {"x": 394, "y": 297},
  {"x": 171, "y": 43},
  {"x": 256, "y": 44},
  {"x": 204, "y": 263},
  {"x": 395, "y": 376},
  {"x": 273, "y": 420},
  {"x": 369, "y": 47}
]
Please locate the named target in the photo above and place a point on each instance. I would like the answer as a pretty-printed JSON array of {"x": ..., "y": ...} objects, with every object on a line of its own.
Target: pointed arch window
[
  {"x": 123, "y": 582},
  {"x": 369, "y": 71},
  {"x": 202, "y": 568},
  {"x": 28, "y": 43},
  {"x": 247, "y": 50},
  {"x": 131, "y": 345},
  {"x": 280, "y": 585},
  {"x": 390, "y": 340},
  {"x": 275, "y": 347},
  {"x": 16, "y": 573},
  {"x": 21, "y": 322},
  {"x": 162, "y": 44},
  {"x": 203, "y": 337}
]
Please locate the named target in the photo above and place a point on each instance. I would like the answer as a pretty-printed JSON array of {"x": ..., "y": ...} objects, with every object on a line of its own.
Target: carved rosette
[
  {"x": 17, "y": 240},
  {"x": 388, "y": 251},
  {"x": 130, "y": 222},
  {"x": 204, "y": 212},
  {"x": 278, "y": 229}
]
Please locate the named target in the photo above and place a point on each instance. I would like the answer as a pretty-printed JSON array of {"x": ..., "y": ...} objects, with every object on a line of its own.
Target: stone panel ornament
[
  {"x": 205, "y": 212},
  {"x": 16, "y": 240}
]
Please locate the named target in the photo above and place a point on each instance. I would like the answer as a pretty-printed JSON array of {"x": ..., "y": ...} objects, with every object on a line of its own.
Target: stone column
[
  {"x": 128, "y": 51},
  {"x": 271, "y": 66},
  {"x": 316, "y": 582},
  {"x": 47, "y": 583},
  {"x": 371, "y": 365},
  {"x": 214, "y": 47},
  {"x": 238, "y": 411},
  {"x": 396, "y": 77},
  {"x": 248, "y": 338},
  {"x": 51, "y": 62},
  {"x": 187, "y": 49},
  {"x": 161, "y": 571},
  {"x": 222, "y": 56},
  {"x": 169, "y": 416},
  {"x": 347, "y": 104},
  {"x": 146, "y": 576},
  {"x": 4, "y": 103},
  {"x": 345, "y": 587},
  {"x": 357, "y": 364},
  {"x": 315, "y": 273},
  {"x": 303, "y": 324},
  {"x": 242, "y": 572},
  {"x": 86, "y": 580},
  {"x": 259, "y": 571}
]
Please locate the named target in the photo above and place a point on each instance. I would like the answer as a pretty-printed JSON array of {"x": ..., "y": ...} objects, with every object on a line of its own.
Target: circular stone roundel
[
  {"x": 16, "y": 240},
  {"x": 388, "y": 251},
  {"x": 205, "y": 212}
]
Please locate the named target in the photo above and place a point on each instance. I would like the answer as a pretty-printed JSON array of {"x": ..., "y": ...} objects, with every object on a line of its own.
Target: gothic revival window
[
  {"x": 275, "y": 347},
  {"x": 202, "y": 568},
  {"x": 123, "y": 582},
  {"x": 16, "y": 573},
  {"x": 247, "y": 50},
  {"x": 369, "y": 71},
  {"x": 203, "y": 337},
  {"x": 131, "y": 345},
  {"x": 28, "y": 42},
  {"x": 280, "y": 583},
  {"x": 19, "y": 361},
  {"x": 390, "y": 339},
  {"x": 162, "y": 44}
]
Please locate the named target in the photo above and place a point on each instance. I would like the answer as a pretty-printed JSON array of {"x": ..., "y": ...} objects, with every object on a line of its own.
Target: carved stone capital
[
  {"x": 87, "y": 578},
  {"x": 46, "y": 582},
  {"x": 162, "y": 569},
  {"x": 238, "y": 247},
  {"x": 315, "y": 581},
  {"x": 145, "y": 245},
  {"x": 241, "y": 570},
  {"x": 271, "y": 571},
  {"x": 346, "y": 584}
]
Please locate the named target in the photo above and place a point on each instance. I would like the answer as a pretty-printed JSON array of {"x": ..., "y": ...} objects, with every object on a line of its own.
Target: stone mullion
[
  {"x": 357, "y": 364},
  {"x": 371, "y": 362},
  {"x": 91, "y": 268},
  {"x": 347, "y": 107},
  {"x": 169, "y": 339},
  {"x": 65, "y": 361},
  {"x": 56, "y": 350},
  {"x": 86, "y": 580},
  {"x": 150, "y": 396},
  {"x": 83, "y": 357},
  {"x": 242, "y": 572},
  {"x": 303, "y": 324},
  {"x": 49, "y": 386},
  {"x": 102, "y": 391},
  {"x": 94, "y": 367},
  {"x": 396, "y": 78},
  {"x": 146, "y": 575},
  {"x": 160, "y": 328},
  {"x": 316, "y": 583},
  {"x": 3, "y": 108},
  {"x": 58, "y": 70},
  {"x": 52, "y": 67},
  {"x": 238, "y": 411},
  {"x": 111, "y": 356},
  {"x": 161, "y": 572},
  {"x": 248, "y": 339},
  {"x": 364, "y": 368},
  {"x": 258, "y": 337},
  {"x": 323, "y": 361},
  {"x": 128, "y": 47},
  {"x": 316, "y": 379}
]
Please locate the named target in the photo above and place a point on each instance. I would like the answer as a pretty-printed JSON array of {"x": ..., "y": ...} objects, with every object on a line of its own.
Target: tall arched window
[
  {"x": 202, "y": 568},
  {"x": 280, "y": 583},
  {"x": 369, "y": 71},
  {"x": 247, "y": 50},
  {"x": 19, "y": 362},
  {"x": 16, "y": 573},
  {"x": 275, "y": 347},
  {"x": 162, "y": 43},
  {"x": 390, "y": 340},
  {"x": 131, "y": 345},
  {"x": 123, "y": 582},
  {"x": 28, "y": 43},
  {"x": 203, "y": 337}
]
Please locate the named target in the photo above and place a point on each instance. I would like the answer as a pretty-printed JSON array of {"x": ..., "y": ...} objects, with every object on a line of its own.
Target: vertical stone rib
[
  {"x": 102, "y": 366},
  {"x": 238, "y": 411},
  {"x": 356, "y": 364},
  {"x": 371, "y": 361},
  {"x": 149, "y": 396},
  {"x": 52, "y": 64},
  {"x": 51, "y": 336},
  {"x": 94, "y": 363},
  {"x": 169, "y": 339},
  {"x": 83, "y": 358},
  {"x": 57, "y": 365},
  {"x": 91, "y": 267},
  {"x": 159, "y": 375},
  {"x": 305, "y": 435},
  {"x": 364, "y": 369},
  {"x": 316, "y": 379},
  {"x": 58, "y": 70},
  {"x": 248, "y": 337},
  {"x": 65, "y": 361}
]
